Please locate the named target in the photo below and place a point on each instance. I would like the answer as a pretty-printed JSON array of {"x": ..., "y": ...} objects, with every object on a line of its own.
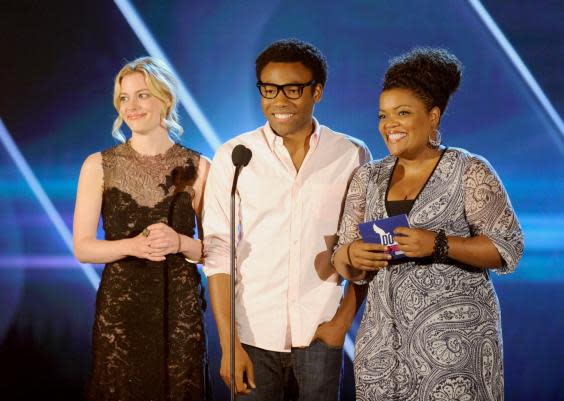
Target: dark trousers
[{"x": 305, "y": 374}]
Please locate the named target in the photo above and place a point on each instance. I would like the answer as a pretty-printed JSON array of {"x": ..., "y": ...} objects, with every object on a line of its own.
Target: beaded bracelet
[{"x": 440, "y": 250}]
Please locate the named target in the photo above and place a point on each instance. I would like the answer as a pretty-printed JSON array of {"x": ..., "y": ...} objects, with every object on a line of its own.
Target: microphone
[{"x": 241, "y": 155}]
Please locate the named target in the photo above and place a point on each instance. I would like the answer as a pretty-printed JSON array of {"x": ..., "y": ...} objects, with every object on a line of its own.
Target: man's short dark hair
[{"x": 294, "y": 50}]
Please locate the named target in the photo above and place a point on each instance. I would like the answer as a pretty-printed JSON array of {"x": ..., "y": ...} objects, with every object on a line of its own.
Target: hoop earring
[{"x": 435, "y": 143}]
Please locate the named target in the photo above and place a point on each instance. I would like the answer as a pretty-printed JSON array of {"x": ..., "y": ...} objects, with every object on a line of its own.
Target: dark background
[{"x": 58, "y": 61}]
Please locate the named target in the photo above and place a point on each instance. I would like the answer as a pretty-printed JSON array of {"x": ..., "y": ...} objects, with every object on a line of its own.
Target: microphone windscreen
[
  {"x": 239, "y": 156},
  {"x": 248, "y": 156}
]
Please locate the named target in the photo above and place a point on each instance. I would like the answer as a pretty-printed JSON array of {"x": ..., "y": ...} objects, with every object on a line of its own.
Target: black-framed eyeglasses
[{"x": 291, "y": 91}]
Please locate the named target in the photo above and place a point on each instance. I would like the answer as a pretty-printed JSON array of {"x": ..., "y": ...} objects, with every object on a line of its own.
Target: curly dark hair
[
  {"x": 433, "y": 74},
  {"x": 294, "y": 50}
]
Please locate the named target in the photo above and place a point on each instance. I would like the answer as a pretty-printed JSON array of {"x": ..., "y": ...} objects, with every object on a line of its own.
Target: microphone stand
[{"x": 232, "y": 287}]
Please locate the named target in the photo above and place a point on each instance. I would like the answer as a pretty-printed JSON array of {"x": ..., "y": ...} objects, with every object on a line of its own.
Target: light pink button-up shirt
[{"x": 287, "y": 220}]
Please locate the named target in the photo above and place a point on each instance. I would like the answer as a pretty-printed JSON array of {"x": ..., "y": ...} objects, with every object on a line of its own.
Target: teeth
[
  {"x": 282, "y": 116},
  {"x": 396, "y": 136}
]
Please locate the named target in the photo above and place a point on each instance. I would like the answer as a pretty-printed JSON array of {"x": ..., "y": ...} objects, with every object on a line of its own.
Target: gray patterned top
[{"x": 433, "y": 331}]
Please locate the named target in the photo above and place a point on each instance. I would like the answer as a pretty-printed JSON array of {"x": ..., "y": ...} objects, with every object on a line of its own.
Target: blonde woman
[{"x": 148, "y": 337}]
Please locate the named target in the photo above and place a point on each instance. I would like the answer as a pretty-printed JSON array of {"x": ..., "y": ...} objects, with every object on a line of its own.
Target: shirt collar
[{"x": 272, "y": 139}]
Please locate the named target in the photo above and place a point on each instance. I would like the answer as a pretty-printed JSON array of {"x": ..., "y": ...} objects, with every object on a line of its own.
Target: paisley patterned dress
[
  {"x": 149, "y": 338},
  {"x": 433, "y": 331}
]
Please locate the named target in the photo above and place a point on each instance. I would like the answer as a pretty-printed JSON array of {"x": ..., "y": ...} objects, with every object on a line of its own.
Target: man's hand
[
  {"x": 244, "y": 374},
  {"x": 331, "y": 334}
]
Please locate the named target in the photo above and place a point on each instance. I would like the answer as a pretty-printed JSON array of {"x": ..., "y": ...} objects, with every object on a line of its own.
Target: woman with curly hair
[{"x": 431, "y": 328}]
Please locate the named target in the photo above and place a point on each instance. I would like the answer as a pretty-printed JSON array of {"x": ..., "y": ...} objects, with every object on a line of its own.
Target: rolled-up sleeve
[
  {"x": 489, "y": 212},
  {"x": 216, "y": 214}
]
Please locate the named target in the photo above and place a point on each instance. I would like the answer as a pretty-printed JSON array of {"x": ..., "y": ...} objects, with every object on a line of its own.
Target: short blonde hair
[{"x": 161, "y": 83}]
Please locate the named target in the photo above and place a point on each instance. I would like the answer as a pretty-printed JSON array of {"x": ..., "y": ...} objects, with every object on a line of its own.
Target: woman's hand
[
  {"x": 140, "y": 247},
  {"x": 415, "y": 242},
  {"x": 163, "y": 240},
  {"x": 368, "y": 257}
]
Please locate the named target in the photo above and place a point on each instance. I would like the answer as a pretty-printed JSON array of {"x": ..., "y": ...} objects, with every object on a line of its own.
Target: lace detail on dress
[
  {"x": 141, "y": 176},
  {"x": 149, "y": 337}
]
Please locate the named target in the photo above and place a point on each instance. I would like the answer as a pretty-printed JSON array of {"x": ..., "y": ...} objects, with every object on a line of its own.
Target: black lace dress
[{"x": 148, "y": 338}]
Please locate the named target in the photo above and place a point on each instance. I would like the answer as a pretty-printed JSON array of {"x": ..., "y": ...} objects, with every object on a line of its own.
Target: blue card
[{"x": 382, "y": 232}]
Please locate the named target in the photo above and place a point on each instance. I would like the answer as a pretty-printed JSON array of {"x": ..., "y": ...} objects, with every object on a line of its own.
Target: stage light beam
[{"x": 44, "y": 200}]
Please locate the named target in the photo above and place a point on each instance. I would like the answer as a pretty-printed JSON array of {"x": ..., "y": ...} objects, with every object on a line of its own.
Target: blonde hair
[{"x": 161, "y": 83}]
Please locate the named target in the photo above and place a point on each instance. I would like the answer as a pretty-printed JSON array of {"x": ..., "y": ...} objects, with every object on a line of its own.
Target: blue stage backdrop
[{"x": 59, "y": 60}]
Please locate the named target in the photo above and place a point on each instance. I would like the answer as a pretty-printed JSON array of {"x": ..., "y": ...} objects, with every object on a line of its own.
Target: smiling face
[
  {"x": 290, "y": 117},
  {"x": 405, "y": 123},
  {"x": 138, "y": 107}
]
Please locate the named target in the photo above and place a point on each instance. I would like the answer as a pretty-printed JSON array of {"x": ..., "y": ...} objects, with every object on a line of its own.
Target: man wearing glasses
[{"x": 291, "y": 322}]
